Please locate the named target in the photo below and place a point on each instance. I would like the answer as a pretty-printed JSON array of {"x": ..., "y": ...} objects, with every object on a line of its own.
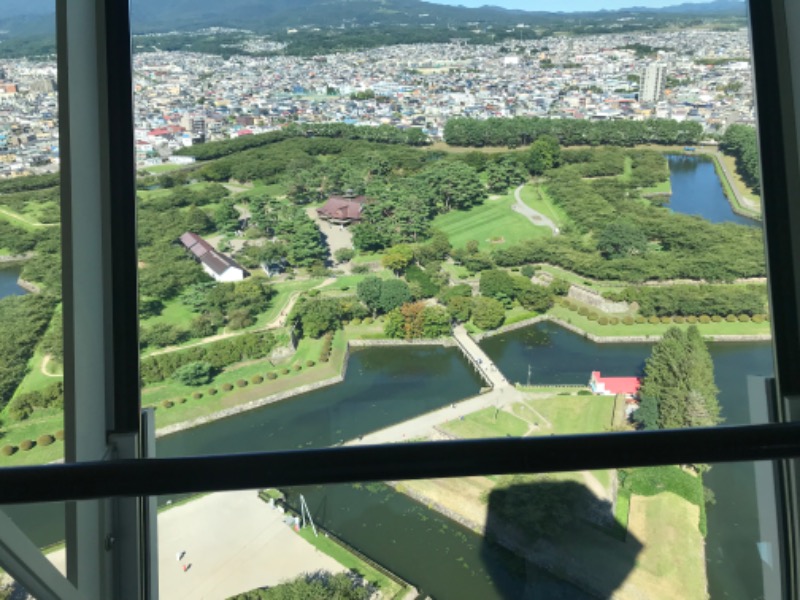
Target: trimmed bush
[
  {"x": 284, "y": 371},
  {"x": 26, "y": 445},
  {"x": 593, "y": 316},
  {"x": 355, "y": 321},
  {"x": 272, "y": 375},
  {"x": 367, "y": 321},
  {"x": 323, "y": 359},
  {"x": 167, "y": 404},
  {"x": 183, "y": 400},
  {"x": 758, "y": 319},
  {"x": 603, "y": 321},
  {"x": 678, "y": 319},
  {"x": 60, "y": 434},
  {"x": 716, "y": 319},
  {"x": 197, "y": 395},
  {"x": 583, "y": 311},
  {"x": 212, "y": 391},
  {"x": 731, "y": 318},
  {"x": 628, "y": 320},
  {"x": 256, "y": 379},
  {"x": 8, "y": 450},
  {"x": 691, "y": 319},
  {"x": 241, "y": 382},
  {"x": 45, "y": 439},
  {"x": 744, "y": 318},
  {"x": 584, "y": 393},
  {"x": 705, "y": 319},
  {"x": 613, "y": 321},
  {"x": 297, "y": 367},
  {"x": 654, "y": 320},
  {"x": 227, "y": 387},
  {"x": 666, "y": 320},
  {"x": 640, "y": 320},
  {"x": 310, "y": 363}
]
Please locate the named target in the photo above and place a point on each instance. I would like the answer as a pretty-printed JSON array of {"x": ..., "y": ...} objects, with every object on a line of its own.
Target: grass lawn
[
  {"x": 671, "y": 563},
  {"x": 388, "y": 588},
  {"x": 350, "y": 282},
  {"x": 738, "y": 182},
  {"x": 35, "y": 379},
  {"x": 18, "y": 220},
  {"x": 457, "y": 272},
  {"x": 665, "y": 187},
  {"x": 517, "y": 314},
  {"x": 488, "y": 422},
  {"x": 285, "y": 290},
  {"x": 367, "y": 257},
  {"x": 493, "y": 224},
  {"x": 537, "y": 198},
  {"x": 627, "y": 171},
  {"x": 165, "y": 168},
  {"x": 573, "y": 414},
  {"x": 175, "y": 313},
  {"x": 646, "y": 329}
]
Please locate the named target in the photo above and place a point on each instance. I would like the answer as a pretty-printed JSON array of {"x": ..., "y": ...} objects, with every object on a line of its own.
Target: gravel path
[{"x": 533, "y": 216}]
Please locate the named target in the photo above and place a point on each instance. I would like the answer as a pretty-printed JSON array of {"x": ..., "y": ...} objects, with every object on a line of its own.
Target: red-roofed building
[
  {"x": 611, "y": 386},
  {"x": 342, "y": 210}
]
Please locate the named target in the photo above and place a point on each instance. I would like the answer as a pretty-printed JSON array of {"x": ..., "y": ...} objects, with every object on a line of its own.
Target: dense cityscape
[{"x": 184, "y": 98}]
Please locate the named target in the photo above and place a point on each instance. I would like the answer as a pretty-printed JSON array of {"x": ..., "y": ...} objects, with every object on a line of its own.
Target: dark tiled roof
[
  {"x": 338, "y": 207},
  {"x": 205, "y": 253}
]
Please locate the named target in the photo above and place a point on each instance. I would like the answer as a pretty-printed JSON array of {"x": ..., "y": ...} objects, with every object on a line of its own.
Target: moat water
[{"x": 8, "y": 282}]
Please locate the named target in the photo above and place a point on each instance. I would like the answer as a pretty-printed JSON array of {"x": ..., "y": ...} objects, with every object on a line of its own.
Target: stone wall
[
  {"x": 594, "y": 299},
  {"x": 426, "y": 342}
]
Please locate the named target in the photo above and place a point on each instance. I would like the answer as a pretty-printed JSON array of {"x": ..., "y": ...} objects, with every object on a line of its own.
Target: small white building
[{"x": 216, "y": 264}]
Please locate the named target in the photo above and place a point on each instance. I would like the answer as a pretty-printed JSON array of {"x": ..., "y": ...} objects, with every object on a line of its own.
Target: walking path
[
  {"x": 479, "y": 359},
  {"x": 534, "y": 216},
  {"x": 233, "y": 542},
  {"x": 336, "y": 236},
  {"x": 743, "y": 202}
]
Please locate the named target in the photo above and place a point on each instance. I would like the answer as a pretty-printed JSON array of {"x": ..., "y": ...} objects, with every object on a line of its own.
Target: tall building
[{"x": 653, "y": 80}]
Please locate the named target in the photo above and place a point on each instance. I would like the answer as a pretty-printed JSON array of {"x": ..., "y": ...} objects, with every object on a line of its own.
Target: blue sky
[{"x": 564, "y": 5}]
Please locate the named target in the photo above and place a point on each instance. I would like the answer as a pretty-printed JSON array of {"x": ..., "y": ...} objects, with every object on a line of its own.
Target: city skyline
[{"x": 568, "y": 5}]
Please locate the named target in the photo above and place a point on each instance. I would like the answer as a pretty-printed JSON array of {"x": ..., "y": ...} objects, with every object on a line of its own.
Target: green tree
[
  {"x": 343, "y": 255},
  {"x": 394, "y": 293},
  {"x": 498, "y": 284},
  {"x": 646, "y": 416},
  {"x": 435, "y": 322},
  {"x": 621, "y": 238},
  {"x": 532, "y": 297},
  {"x": 369, "y": 292},
  {"x": 194, "y": 373},
  {"x": 487, "y": 313},
  {"x": 226, "y": 217},
  {"x": 397, "y": 258},
  {"x": 544, "y": 154},
  {"x": 453, "y": 185}
]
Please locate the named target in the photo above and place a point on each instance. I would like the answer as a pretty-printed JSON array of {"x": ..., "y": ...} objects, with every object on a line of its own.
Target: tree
[
  {"x": 435, "y": 322},
  {"x": 343, "y": 255},
  {"x": 194, "y": 373},
  {"x": 452, "y": 185},
  {"x": 369, "y": 292},
  {"x": 321, "y": 585},
  {"x": 621, "y": 238},
  {"x": 394, "y": 293},
  {"x": 544, "y": 154},
  {"x": 679, "y": 379},
  {"x": 397, "y": 258},
  {"x": 532, "y": 297},
  {"x": 317, "y": 315},
  {"x": 498, "y": 284},
  {"x": 487, "y": 313},
  {"x": 647, "y": 414},
  {"x": 227, "y": 217}
]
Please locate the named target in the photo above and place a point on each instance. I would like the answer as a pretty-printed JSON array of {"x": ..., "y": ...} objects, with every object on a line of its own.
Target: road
[{"x": 534, "y": 216}]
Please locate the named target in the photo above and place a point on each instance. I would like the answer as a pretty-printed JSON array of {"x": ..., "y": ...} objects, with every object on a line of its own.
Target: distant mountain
[{"x": 23, "y": 17}]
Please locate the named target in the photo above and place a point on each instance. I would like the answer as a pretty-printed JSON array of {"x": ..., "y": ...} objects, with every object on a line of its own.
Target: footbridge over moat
[{"x": 479, "y": 359}]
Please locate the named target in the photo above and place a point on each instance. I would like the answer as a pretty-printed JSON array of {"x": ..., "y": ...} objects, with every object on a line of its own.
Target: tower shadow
[{"x": 564, "y": 542}]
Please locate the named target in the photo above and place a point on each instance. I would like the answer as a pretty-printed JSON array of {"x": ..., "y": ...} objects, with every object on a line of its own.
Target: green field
[
  {"x": 573, "y": 414},
  {"x": 156, "y": 169},
  {"x": 536, "y": 197},
  {"x": 665, "y": 187},
  {"x": 493, "y": 224},
  {"x": 486, "y": 423}
]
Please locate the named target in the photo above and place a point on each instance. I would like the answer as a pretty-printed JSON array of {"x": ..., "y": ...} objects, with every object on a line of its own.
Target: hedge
[
  {"x": 45, "y": 439},
  {"x": 212, "y": 391},
  {"x": 8, "y": 450},
  {"x": 197, "y": 395},
  {"x": 167, "y": 404},
  {"x": 256, "y": 379},
  {"x": 272, "y": 375},
  {"x": 227, "y": 387},
  {"x": 26, "y": 445},
  {"x": 241, "y": 382}
]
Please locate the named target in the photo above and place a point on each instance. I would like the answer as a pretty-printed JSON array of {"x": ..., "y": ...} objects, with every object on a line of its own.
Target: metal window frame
[{"x": 100, "y": 322}]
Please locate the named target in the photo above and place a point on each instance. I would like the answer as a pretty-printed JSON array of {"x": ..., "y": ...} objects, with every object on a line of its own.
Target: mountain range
[{"x": 25, "y": 16}]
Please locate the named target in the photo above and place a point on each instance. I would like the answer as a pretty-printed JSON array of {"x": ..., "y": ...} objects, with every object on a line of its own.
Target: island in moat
[{"x": 259, "y": 271}]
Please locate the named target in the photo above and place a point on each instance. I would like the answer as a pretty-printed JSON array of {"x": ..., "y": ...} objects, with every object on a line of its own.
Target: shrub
[
  {"x": 227, "y": 387},
  {"x": 194, "y": 373},
  {"x": 45, "y": 439},
  {"x": 241, "y": 382},
  {"x": 167, "y": 404},
  {"x": 60, "y": 434},
  {"x": 640, "y": 319},
  {"x": 355, "y": 321},
  {"x": 197, "y": 395},
  {"x": 593, "y": 316},
  {"x": 26, "y": 445},
  {"x": 666, "y": 320},
  {"x": 272, "y": 375},
  {"x": 628, "y": 320},
  {"x": 8, "y": 450},
  {"x": 310, "y": 363},
  {"x": 183, "y": 400},
  {"x": 603, "y": 320},
  {"x": 678, "y": 319},
  {"x": 360, "y": 269},
  {"x": 731, "y": 318},
  {"x": 691, "y": 319},
  {"x": 256, "y": 379},
  {"x": 584, "y": 393},
  {"x": 297, "y": 367},
  {"x": 744, "y": 318},
  {"x": 758, "y": 319},
  {"x": 324, "y": 359},
  {"x": 654, "y": 320},
  {"x": 367, "y": 321},
  {"x": 284, "y": 371},
  {"x": 212, "y": 391},
  {"x": 583, "y": 311},
  {"x": 527, "y": 271},
  {"x": 716, "y": 319}
]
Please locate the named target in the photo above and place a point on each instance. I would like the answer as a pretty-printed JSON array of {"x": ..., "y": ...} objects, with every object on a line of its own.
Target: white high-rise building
[{"x": 651, "y": 85}]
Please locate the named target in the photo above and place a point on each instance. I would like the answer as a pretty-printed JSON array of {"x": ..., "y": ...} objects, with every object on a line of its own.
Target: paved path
[
  {"x": 233, "y": 541},
  {"x": 336, "y": 236},
  {"x": 534, "y": 216},
  {"x": 743, "y": 202}
]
